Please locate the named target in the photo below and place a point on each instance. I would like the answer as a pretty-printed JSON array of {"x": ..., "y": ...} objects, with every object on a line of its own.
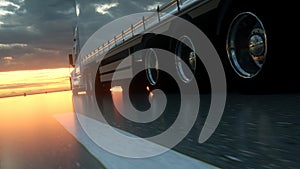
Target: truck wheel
[{"x": 246, "y": 45}]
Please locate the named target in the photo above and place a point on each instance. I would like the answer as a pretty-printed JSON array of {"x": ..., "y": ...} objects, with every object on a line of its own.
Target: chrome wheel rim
[
  {"x": 247, "y": 44},
  {"x": 185, "y": 55},
  {"x": 151, "y": 66}
]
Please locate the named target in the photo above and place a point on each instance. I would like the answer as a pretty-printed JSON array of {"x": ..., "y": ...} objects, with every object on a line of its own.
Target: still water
[{"x": 30, "y": 137}]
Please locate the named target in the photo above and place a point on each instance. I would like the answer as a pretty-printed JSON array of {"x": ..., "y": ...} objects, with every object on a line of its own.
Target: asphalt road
[{"x": 256, "y": 131}]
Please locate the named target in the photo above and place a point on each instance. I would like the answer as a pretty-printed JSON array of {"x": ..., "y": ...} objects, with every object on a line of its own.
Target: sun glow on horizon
[{"x": 34, "y": 81}]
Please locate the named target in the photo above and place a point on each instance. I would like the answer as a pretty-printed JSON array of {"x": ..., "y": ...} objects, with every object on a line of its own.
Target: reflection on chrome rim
[
  {"x": 151, "y": 66},
  {"x": 185, "y": 55},
  {"x": 247, "y": 44}
]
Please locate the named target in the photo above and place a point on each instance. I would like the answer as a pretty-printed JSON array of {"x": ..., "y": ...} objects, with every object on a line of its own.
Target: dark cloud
[
  {"x": 90, "y": 20},
  {"x": 46, "y": 27}
]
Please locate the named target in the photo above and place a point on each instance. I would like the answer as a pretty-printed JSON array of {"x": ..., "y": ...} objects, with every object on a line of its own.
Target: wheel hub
[
  {"x": 256, "y": 45},
  {"x": 247, "y": 45}
]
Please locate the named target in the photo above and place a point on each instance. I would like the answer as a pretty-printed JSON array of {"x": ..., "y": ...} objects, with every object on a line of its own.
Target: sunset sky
[
  {"x": 37, "y": 34},
  {"x": 16, "y": 83}
]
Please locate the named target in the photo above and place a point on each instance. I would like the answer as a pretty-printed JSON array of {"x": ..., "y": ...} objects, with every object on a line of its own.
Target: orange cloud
[{"x": 8, "y": 58}]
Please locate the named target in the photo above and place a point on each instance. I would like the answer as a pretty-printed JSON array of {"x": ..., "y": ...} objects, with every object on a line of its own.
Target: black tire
[
  {"x": 160, "y": 79},
  {"x": 273, "y": 73},
  {"x": 152, "y": 76},
  {"x": 187, "y": 55}
]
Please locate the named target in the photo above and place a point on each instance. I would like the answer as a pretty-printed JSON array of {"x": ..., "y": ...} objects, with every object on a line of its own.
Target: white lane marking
[{"x": 171, "y": 159}]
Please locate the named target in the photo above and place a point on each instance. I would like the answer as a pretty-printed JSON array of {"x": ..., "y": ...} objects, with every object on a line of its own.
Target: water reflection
[{"x": 31, "y": 138}]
